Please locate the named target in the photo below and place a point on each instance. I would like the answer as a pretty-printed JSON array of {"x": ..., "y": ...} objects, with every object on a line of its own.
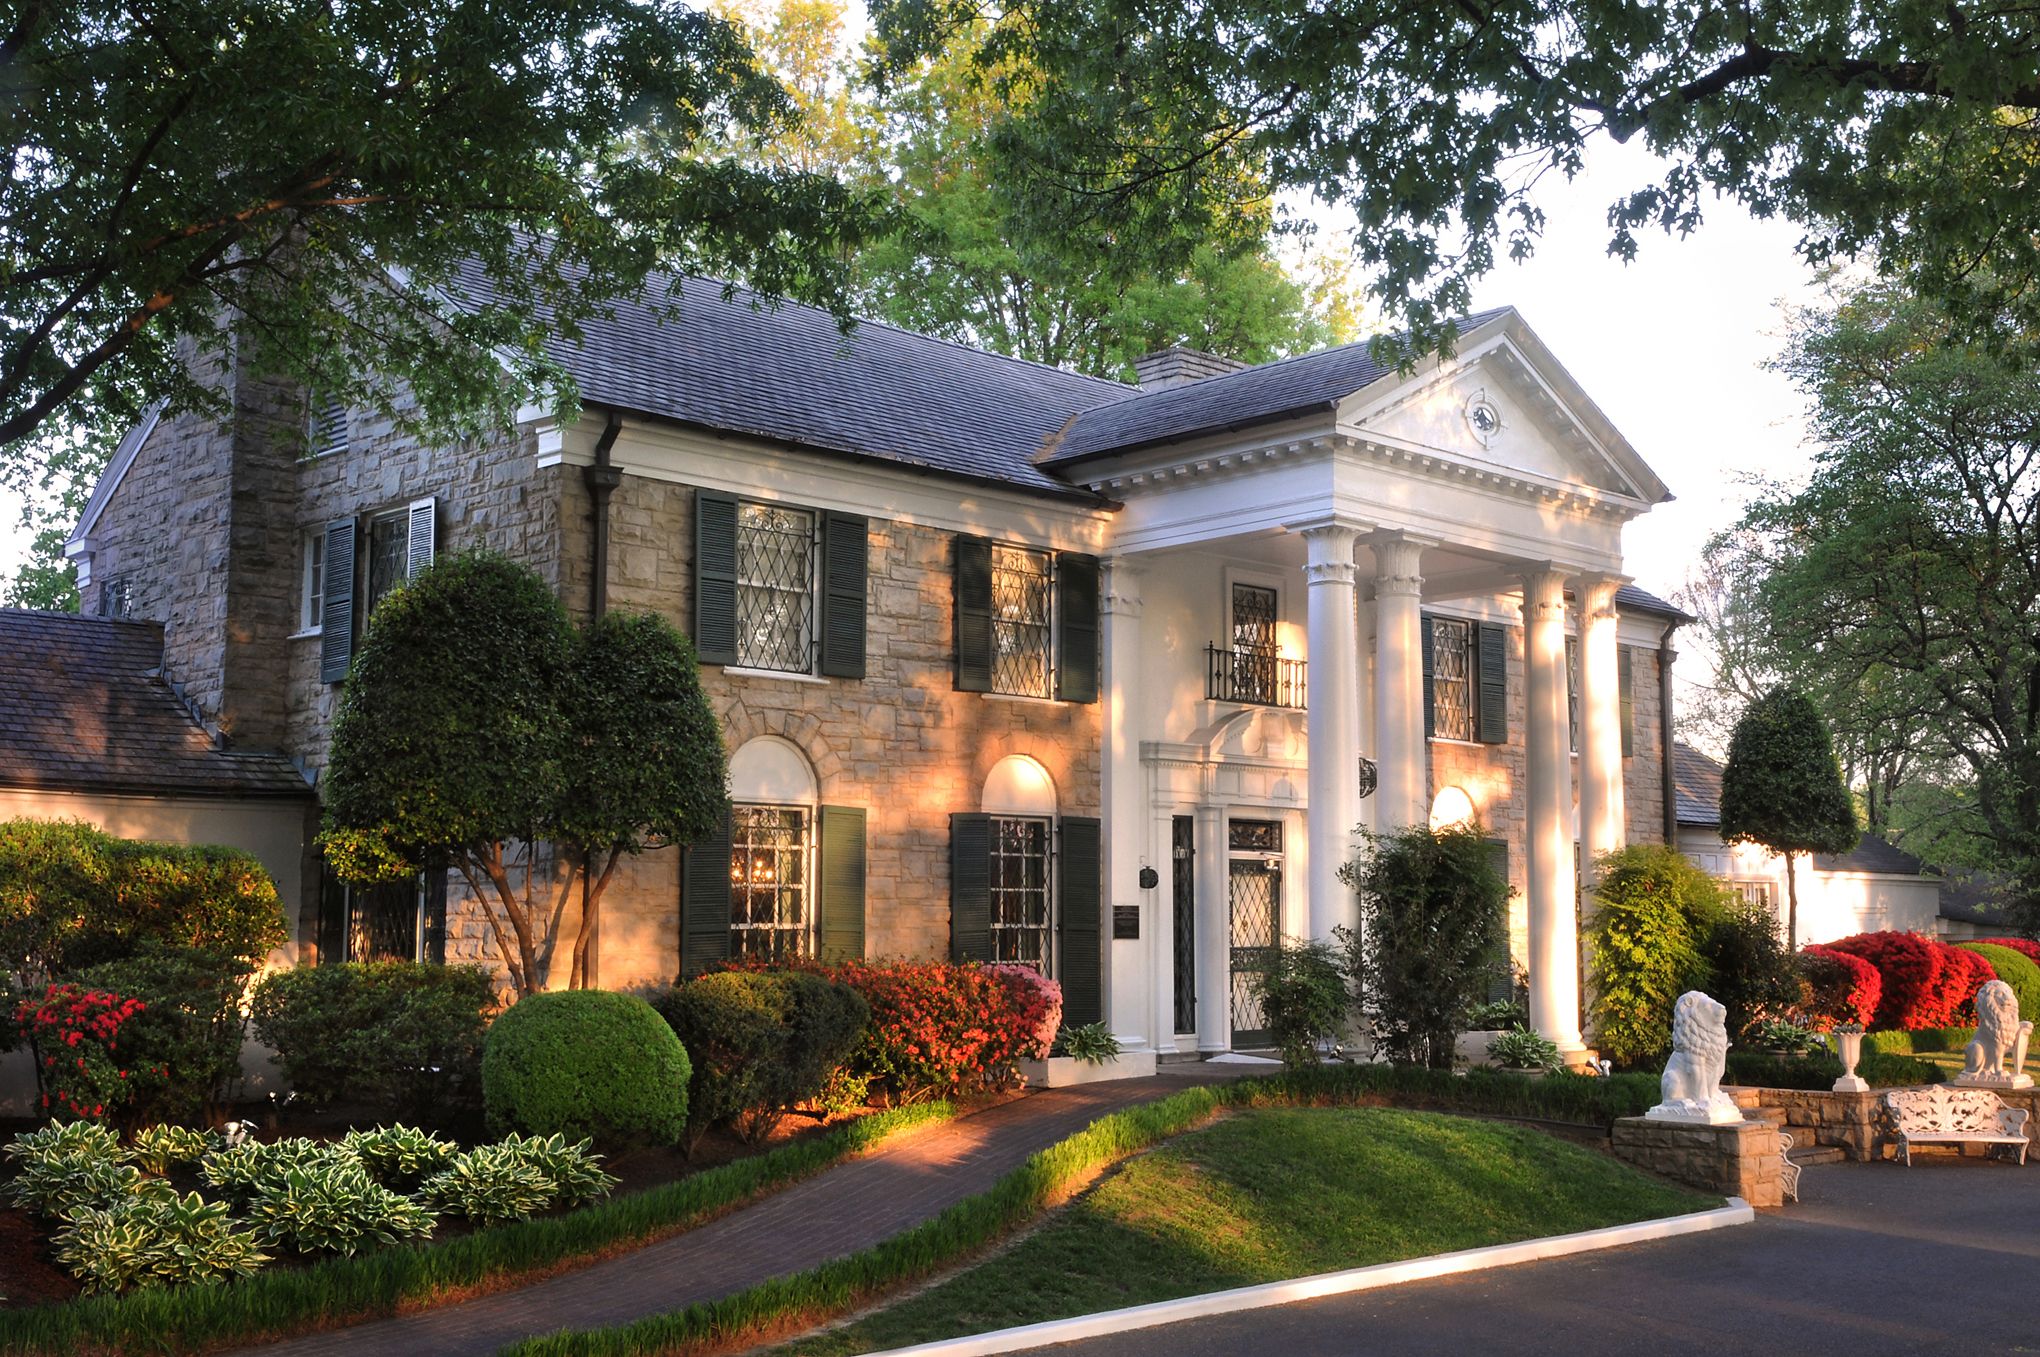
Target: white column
[
  {"x": 1128, "y": 979},
  {"x": 1214, "y": 934},
  {"x": 1554, "y": 927},
  {"x": 1603, "y": 816},
  {"x": 1333, "y": 698},
  {"x": 1403, "y": 795}
]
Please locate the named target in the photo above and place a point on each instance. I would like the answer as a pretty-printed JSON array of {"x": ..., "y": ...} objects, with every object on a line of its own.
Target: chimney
[{"x": 1179, "y": 366}]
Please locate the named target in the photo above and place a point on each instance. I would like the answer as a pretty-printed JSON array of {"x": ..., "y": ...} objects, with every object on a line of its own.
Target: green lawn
[{"x": 1270, "y": 1194}]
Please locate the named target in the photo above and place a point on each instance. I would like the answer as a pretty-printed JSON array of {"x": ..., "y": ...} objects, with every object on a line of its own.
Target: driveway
[{"x": 1943, "y": 1257}]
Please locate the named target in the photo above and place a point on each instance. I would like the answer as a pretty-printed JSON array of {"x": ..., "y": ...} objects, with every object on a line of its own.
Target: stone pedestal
[{"x": 1740, "y": 1160}]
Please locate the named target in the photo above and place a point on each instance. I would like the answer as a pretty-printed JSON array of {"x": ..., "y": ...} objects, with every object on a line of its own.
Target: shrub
[
  {"x": 586, "y": 1063},
  {"x": 60, "y": 1169},
  {"x": 2025, "y": 947},
  {"x": 1040, "y": 1001},
  {"x": 936, "y": 1027},
  {"x": 1755, "y": 1069},
  {"x": 155, "y": 1148},
  {"x": 73, "y": 896},
  {"x": 1909, "y": 970},
  {"x": 1496, "y": 1015},
  {"x": 331, "y": 1206},
  {"x": 1962, "y": 975},
  {"x": 391, "y": 1033},
  {"x": 1092, "y": 1043},
  {"x": 1521, "y": 1049},
  {"x": 1749, "y": 970},
  {"x": 1431, "y": 940},
  {"x": 1841, "y": 988},
  {"x": 238, "y": 1172},
  {"x": 1303, "y": 998},
  {"x": 399, "y": 1156},
  {"x": 76, "y": 1031},
  {"x": 574, "y": 1170},
  {"x": 1653, "y": 906},
  {"x": 490, "y": 1184},
  {"x": 183, "y": 1049},
  {"x": 759, "y": 1042},
  {"x": 155, "y": 1240},
  {"x": 2015, "y": 969}
]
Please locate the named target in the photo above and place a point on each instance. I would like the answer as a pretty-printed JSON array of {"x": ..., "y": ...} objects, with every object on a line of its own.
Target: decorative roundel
[{"x": 1483, "y": 418}]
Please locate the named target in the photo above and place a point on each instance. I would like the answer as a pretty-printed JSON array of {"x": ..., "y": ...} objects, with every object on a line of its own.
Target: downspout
[
  {"x": 1667, "y": 655},
  {"x": 602, "y": 479}
]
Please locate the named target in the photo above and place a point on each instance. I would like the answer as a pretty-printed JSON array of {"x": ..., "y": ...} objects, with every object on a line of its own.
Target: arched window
[
  {"x": 1019, "y": 798},
  {"x": 772, "y": 826}
]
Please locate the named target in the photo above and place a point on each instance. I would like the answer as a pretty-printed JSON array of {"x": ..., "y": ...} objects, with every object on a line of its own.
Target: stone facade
[
  {"x": 1741, "y": 1159},
  {"x": 1854, "y": 1123}
]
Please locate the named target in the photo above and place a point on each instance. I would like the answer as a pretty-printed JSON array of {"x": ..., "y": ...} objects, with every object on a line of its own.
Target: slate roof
[
  {"x": 787, "y": 374},
  {"x": 1632, "y": 599},
  {"x": 1256, "y": 395},
  {"x": 1974, "y": 898},
  {"x": 84, "y": 707},
  {"x": 1696, "y": 782}
]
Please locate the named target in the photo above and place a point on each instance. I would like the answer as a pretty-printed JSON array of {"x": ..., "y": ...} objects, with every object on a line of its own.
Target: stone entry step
[{"x": 1815, "y": 1154}]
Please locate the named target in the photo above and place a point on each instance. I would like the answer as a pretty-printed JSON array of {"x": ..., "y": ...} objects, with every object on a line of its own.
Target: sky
[{"x": 1671, "y": 346}]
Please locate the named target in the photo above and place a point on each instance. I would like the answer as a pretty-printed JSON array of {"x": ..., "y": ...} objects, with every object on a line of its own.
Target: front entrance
[{"x": 1254, "y": 901}]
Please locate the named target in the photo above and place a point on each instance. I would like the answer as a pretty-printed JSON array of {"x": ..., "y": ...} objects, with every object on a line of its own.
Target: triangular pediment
[{"x": 1502, "y": 404}]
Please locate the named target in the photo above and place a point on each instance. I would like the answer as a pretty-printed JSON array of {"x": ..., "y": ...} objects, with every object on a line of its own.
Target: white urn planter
[
  {"x": 1849, "y": 1048},
  {"x": 1063, "y": 1071}
]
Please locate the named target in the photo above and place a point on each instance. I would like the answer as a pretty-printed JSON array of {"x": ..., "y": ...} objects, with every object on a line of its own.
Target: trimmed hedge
[
  {"x": 2016, "y": 970},
  {"x": 586, "y": 1063},
  {"x": 1841, "y": 987},
  {"x": 399, "y": 1034},
  {"x": 1926, "y": 983},
  {"x": 286, "y": 1301},
  {"x": 758, "y": 1042},
  {"x": 1754, "y": 1069}
]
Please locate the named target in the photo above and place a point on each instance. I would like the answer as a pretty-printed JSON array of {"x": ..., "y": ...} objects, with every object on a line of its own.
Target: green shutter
[
  {"x": 715, "y": 578},
  {"x": 1493, "y": 671},
  {"x": 705, "y": 901},
  {"x": 336, "y": 614},
  {"x": 1076, "y": 624},
  {"x": 1622, "y": 682},
  {"x": 846, "y": 547},
  {"x": 841, "y": 834},
  {"x": 970, "y": 887},
  {"x": 1502, "y": 987},
  {"x": 1080, "y": 903},
  {"x": 973, "y": 615},
  {"x": 1430, "y": 712},
  {"x": 433, "y": 944}
]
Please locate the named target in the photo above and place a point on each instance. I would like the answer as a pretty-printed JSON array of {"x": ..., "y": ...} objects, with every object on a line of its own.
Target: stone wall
[
  {"x": 901, "y": 742},
  {"x": 1742, "y": 1159},
  {"x": 1852, "y": 1122}
]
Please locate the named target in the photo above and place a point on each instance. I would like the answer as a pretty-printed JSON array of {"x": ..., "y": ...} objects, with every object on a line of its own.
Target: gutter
[
  {"x": 602, "y": 478},
  {"x": 1667, "y": 655}
]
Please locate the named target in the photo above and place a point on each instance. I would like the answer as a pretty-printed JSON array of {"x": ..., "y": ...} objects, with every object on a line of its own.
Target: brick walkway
[{"x": 856, "y": 1204}]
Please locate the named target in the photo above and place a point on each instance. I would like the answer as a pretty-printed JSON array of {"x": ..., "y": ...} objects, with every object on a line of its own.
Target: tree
[
  {"x": 1783, "y": 788},
  {"x": 1433, "y": 937},
  {"x": 450, "y": 745},
  {"x": 644, "y": 759},
  {"x": 1912, "y": 553},
  {"x": 1902, "y": 133},
  {"x": 1653, "y": 908},
  {"x": 300, "y": 186}
]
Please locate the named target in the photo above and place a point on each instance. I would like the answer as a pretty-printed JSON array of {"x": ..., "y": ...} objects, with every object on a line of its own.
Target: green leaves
[{"x": 1782, "y": 787}]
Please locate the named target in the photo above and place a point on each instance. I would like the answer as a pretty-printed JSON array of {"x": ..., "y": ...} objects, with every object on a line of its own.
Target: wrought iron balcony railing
[{"x": 1256, "y": 676}]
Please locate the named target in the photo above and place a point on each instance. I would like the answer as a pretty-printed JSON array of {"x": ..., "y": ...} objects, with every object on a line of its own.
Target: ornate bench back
[{"x": 1945, "y": 1111}]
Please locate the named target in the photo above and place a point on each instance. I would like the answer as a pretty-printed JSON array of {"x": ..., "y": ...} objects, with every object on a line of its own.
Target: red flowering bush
[
  {"x": 1843, "y": 988},
  {"x": 2026, "y": 945},
  {"x": 1926, "y": 983},
  {"x": 76, "y": 1032},
  {"x": 1041, "y": 1005}
]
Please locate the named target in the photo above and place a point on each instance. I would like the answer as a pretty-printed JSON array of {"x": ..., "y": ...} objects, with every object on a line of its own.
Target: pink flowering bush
[{"x": 1041, "y": 1005}]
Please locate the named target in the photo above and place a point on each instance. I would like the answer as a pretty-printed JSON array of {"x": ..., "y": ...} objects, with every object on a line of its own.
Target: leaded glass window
[
  {"x": 1254, "y": 668},
  {"x": 1021, "y": 628},
  {"x": 1572, "y": 692},
  {"x": 389, "y": 556},
  {"x": 1452, "y": 679},
  {"x": 775, "y": 588},
  {"x": 1020, "y": 894},
  {"x": 771, "y": 914}
]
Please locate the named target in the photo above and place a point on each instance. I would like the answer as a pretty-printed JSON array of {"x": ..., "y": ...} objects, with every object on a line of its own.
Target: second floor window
[
  {"x": 775, "y": 588},
  {"x": 389, "y": 555},
  {"x": 1022, "y": 585},
  {"x": 1452, "y": 710},
  {"x": 312, "y": 583}
]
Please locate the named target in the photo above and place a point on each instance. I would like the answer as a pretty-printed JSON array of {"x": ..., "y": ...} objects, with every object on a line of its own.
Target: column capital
[
  {"x": 1328, "y": 549},
  {"x": 1596, "y": 593},
  {"x": 1398, "y": 562},
  {"x": 1544, "y": 590}
]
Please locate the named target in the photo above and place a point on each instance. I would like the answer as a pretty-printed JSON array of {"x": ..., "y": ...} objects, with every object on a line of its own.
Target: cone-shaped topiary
[
  {"x": 1783, "y": 789},
  {"x": 586, "y": 1063}
]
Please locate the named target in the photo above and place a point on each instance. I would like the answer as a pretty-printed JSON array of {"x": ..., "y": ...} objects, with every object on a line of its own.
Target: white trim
[
  {"x": 109, "y": 481},
  {"x": 789, "y": 675},
  {"x": 1347, "y": 1282}
]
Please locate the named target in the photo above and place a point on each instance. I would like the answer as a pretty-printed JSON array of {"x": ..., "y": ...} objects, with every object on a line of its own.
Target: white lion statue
[
  {"x": 1692, "y": 1082},
  {"x": 1999, "y": 1033}
]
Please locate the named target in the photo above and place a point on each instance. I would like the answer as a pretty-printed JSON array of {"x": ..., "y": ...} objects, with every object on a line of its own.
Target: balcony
[{"x": 1258, "y": 677}]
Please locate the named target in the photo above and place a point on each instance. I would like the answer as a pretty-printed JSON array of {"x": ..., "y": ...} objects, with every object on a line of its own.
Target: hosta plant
[
  {"x": 61, "y": 1168},
  {"x": 489, "y": 1185},
  {"x": 156, "y": 1239},
  {"x": 1521, "y": 1049},
  {"x": 1788, "y": 1037},
  {"x": 1092, "y": 1043},
  {"x": 399, "y": 1156},
  {"x": 573, "y": 1168},
  {"x": 155, "y": 1148},
  {"x": 332, "y": 1207},
  {"x": 240, "y": 1170},
  {"x": 64, "y": 1140}
]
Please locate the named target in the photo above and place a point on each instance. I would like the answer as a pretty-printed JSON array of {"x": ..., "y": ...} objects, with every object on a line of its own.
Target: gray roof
[
  {"x": 1632, "y": 599},
  {"x": 1696, "y": 782},
  {"x": 84, "y": 707},
  {"x": 1975, "y": 898},
  {"x": 788, "y": 374},
  {"x": 1879, "y": 857},
  {"x": 1256, "y": 395}
]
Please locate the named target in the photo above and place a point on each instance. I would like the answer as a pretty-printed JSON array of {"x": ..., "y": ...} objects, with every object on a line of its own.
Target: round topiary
[
  {"x": 2015, "y": 970},
  {"x": 586, "y": 1063}
]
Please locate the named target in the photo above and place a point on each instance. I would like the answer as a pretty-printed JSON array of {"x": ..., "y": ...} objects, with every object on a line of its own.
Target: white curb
[{"x": 1737, "y": 1212}]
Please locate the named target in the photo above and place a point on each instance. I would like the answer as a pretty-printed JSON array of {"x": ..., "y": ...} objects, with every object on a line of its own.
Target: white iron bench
[{"x": 1956, "y": 1116}]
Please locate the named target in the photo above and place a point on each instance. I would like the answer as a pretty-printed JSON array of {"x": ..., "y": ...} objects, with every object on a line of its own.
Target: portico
[{"x": 1321, "y": 623}]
